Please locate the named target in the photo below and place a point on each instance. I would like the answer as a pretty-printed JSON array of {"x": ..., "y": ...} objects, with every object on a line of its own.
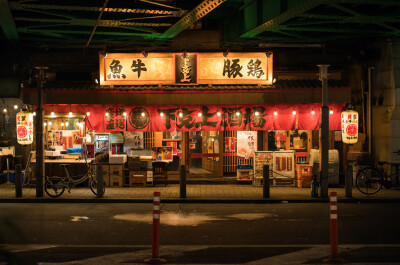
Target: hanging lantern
[
  {"x": 24, "y": 127},
  {"x": 349, "y": 127}
]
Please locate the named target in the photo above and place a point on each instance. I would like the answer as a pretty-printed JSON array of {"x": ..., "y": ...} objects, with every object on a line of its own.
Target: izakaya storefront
[{"x": 211, "y": 139}]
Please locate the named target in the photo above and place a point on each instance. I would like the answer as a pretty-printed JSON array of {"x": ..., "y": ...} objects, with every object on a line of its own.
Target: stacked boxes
[
  {"x": 106, "y": 173},
  {"x": 303, "y": 175},
  {"x": 116, "y": 176}
]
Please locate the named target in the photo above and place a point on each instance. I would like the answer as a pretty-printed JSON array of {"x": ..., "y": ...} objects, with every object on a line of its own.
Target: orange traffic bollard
[
  {"x": 333, "y": 259},
  {"x": 155, "y": 253}
]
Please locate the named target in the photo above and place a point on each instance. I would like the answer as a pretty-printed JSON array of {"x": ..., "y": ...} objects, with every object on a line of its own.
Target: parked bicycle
[
  {"x": 370, "y": 180},
  {"x": 55, "y": 186}
]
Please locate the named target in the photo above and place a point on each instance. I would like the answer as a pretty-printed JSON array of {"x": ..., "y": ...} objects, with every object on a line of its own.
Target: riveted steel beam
[
  {"x": 91, "y": 22},
  {"x": 24, "y": 6},
  {"x": 198, "y": 12},
  {"x": 78, "y": 32},
  {"x": 7, "y": 22},
  {"x": 274, "y": 23}
]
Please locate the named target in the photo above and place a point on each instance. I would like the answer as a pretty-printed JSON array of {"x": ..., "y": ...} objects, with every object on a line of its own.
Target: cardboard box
[
  {"x": 116, "y": 170},
  {"x": 116, "y": 181},
  {"x": 117, "y": 159},
  {"x": 352, "y": 155}
]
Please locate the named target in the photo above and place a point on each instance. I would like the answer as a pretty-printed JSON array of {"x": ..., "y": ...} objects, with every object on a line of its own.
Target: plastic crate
[{"x": 303, "y": 171}]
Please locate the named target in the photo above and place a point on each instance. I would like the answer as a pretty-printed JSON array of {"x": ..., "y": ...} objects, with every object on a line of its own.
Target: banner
[{"x": 186, "y": 118}]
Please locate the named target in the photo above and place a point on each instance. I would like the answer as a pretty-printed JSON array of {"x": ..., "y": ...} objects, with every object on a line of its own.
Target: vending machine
[{"x": 102, "y": 147}]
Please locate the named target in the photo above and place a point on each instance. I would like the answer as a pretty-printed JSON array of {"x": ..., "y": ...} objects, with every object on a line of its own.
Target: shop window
[
  {"x": 277, "y": 140},
  {"x": 298, "y": 140}
]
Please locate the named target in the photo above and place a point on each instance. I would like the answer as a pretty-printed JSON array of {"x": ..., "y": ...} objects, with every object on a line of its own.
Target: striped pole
[
  {"x": 155, "y": 253},
  {"x": 333, "y": 259}
]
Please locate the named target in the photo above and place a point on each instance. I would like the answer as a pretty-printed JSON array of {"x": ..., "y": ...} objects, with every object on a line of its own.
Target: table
[{"x": 52, "y": 166}]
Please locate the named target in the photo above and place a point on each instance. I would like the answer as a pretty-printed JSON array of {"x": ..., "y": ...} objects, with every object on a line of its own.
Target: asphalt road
[{"x": 197, "y": 224}]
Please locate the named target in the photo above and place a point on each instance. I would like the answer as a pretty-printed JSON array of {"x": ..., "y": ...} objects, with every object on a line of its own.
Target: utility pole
[
  {"x": 323, "y": 76},
  {"x": 39, "y": 133}
]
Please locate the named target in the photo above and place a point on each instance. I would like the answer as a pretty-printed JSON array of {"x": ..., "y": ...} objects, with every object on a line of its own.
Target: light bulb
[
  {"x": 143, "y": 114},
  {"x": 88, "y": 113},
  {"x": 162, "y": 114},
  {"x": 125, "y": 114},
  {"x": 180, "y": 114},
  {"x": 45, "y": 124},
  {"x": 256, "y": 113},
  {"x": 67, "y": 123},
  {"x": 52, "y": 114},
  {"x": 199, "y": 114},
  {"x": 312, "y": 112},
  {"x": 5, "y": 110},
  {"x": 275, "y": 113},
  {"x": 34, "y": 113},
  {"x": 107, "y": 114},
  {"x": 218, "y": 113},
  {"x": 331, "y": 112},
  {"x": 62, "y": 124},
  {"x": 70, "y": 113},
  {"x": 294, "y": 112},
  {"x": 237, "y": 113},
  {"x": 15, "y": 106},
  {"x": 80, "y": 125},
  {"x": 50, "y": 123}
]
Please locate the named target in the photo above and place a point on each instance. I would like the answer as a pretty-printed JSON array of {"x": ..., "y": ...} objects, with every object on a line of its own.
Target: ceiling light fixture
[
  {"x": 15, "y": 106},
  {"x": 275, "y": 112},
  {"x": 312, "y": 111},
  {"x": 331, "y": 111},
  {"x": 294, "y": 112}
]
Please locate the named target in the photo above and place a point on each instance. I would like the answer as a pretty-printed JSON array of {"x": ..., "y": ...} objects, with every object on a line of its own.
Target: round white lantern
[
  {"x": 24, "y": 127},
  {"x": 349, "y": 127}
]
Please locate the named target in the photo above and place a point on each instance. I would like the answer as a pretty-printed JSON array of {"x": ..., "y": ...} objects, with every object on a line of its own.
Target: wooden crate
[{"x": 138, "y": 177}]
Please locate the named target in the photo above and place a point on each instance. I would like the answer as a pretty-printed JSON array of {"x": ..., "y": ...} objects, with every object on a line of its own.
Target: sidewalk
[{"x": 197, "y": 193}]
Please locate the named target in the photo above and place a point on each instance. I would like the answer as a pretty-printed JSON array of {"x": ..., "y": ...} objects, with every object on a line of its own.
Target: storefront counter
[{"x": 53, "y": 167}]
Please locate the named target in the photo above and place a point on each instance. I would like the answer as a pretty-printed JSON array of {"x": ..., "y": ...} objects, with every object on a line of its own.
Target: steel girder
[
  {"x": 200, "y": 11},
  {"x": 31, "y": 7},
  {"x": 7, "y": 22}
]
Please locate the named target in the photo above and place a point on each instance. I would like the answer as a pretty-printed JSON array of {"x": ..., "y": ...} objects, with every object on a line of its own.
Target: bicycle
[
  {"x": 55, "y": 186},
  {"x": 370, "y": 180}
]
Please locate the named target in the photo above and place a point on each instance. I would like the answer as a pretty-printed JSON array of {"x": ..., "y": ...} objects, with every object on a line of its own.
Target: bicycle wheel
[
  {"x": 54, "y": 187},
  {"x": 369, "y": 180},
  {"x": 93, "y": 186}
]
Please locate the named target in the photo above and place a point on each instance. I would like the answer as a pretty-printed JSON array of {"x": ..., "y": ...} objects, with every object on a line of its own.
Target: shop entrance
[{"x": 204, "y": 153}]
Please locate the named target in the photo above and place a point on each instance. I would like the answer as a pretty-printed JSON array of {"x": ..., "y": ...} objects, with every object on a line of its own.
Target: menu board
[
  {"x": 262, "y": 158},
  {"x": 283, "y": 162}
]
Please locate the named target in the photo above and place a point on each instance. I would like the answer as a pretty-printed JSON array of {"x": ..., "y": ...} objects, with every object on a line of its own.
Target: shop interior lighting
[
  {"x": 45, "y": 124},
  {"x": 161, "y": 114},
  {"x": 199, "y": 114},
  {"x": 50, "y": 123},
  {"x": 124, "y": 114},
  {"x": 275, "y": 112},
  {"x": 15, "y": 106},
  {"x": 274, "y": 80},
  {"x": 145, "y": 54},
  {"x": 180, "y": 114},
  {"x": 70, "y": 113},
  {"x": 256, "y": 113},
  {"x": 294, "y": 112},
  {"x": 312, "y": 111},
  {"x": 4, "y": 110},
  {"x": 62, "y": 124},
  {"x": 218, "y": 113},
  {"x": 237, "y": 113},
  {"x": 88, "y": 113},
  {"x": 67, "y": 123},
  {"x": 52, "y": 114},
  {"x": 96, "y": 81},
  {"x": 107, "y": 114},
  {"x": 143, "y": 114},
  {"x": 34, "y": 113},
  {"x": 331, "y": 111}
]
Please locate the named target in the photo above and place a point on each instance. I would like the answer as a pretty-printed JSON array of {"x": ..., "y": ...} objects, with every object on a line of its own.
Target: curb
[{"x": 199, "y": 201}]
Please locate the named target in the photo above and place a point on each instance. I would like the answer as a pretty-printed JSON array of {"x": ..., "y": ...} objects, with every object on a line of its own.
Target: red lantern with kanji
[{"x": 24, "y": 127}]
